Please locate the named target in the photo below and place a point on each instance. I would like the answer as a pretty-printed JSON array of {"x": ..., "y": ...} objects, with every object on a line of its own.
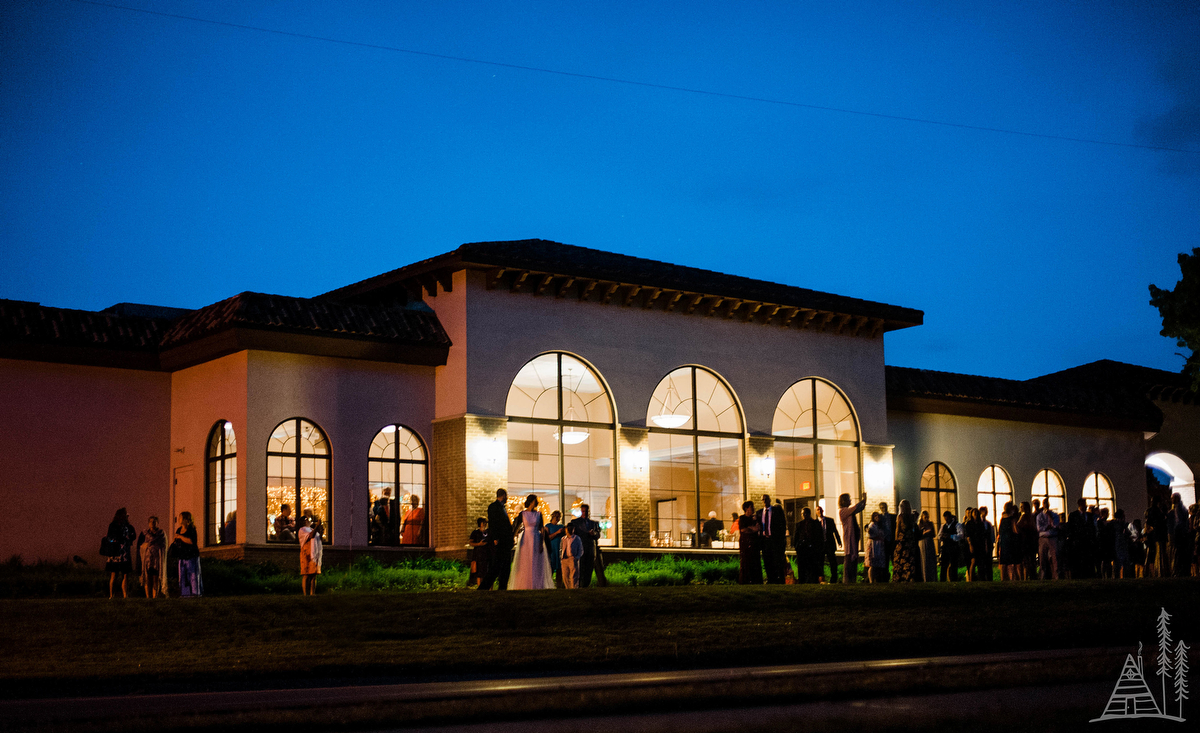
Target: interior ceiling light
[
  {"x": 671, "y": 416},
  {"x": 571, "y": 435}
]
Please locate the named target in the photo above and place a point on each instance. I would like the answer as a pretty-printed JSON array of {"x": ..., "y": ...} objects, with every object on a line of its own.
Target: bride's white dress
[{"x": 531, "y": 560}]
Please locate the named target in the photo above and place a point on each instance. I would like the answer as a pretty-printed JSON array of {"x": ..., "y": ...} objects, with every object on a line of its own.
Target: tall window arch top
[
  {"x": 814, "y": 408},
  {"x": 995, "y": 490},
  {"x": 397, "y": 474},
  {"x": 939, "y": 492},
  {"x": 559, "y": 387},
  {"x": 562, "y": 440},
  {"x": 1048, "y": 487},
  {"x": 298, "y": 480},
  {"x": 1098, "y": 490},
  {"x": 220, "y": 527},
  {"x": 693, "y": 398}
]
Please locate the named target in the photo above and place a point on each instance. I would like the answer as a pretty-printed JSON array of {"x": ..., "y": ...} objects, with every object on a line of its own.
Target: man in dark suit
[
  {"x": 832, "y": 541},
  {"x": 588, "y": 532},
  {"x": 889, "y": 544},
  {"x": 774, "y": 538},
  {"x": 500, "y": 535}
]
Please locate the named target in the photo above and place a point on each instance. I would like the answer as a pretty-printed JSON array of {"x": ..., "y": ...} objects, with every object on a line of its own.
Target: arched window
[
  {"x": 561, "y": 441},
  {"x": 939, "y": 492},
  {"x": 816, "y": 448},
  {"x": 696, "y": 448},
  {"x": 1098, "y": 491},
  {"x": 221, "y": 483},
  {"x": 298, "y": 477},
  {"x": 995, "y": 490},
  {"x": 397, "y": 470},
  {"x": 1048, "y": 488}
]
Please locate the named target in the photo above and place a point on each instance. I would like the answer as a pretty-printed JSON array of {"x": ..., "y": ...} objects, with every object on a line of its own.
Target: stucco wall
[
  {"x": 80, "y": 443},
  {"x": 350, "y": 400},
  {"x": 969, "y": 445},
  {"x": 200, "y": 396},
  {"x": 634, "y": 348}
]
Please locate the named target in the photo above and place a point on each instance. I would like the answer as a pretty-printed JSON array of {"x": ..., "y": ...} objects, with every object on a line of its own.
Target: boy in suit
[{"x": 572, "y": 554}]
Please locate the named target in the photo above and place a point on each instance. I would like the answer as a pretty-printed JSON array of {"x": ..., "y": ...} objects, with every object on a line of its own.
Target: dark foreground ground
[{"x": 69, "y": 647}]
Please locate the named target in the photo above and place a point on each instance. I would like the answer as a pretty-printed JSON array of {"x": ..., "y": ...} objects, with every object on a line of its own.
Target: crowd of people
[
  {"x": 1030, "y": 541},
  {"x": 528, "y": 553}
]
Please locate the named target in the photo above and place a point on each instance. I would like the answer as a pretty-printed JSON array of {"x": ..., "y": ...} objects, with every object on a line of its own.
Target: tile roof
[
  {"x": 308, "y": 316},
  {"x": 903, "y": 382},
  {"x": 581, "y": 262},
  {"x": 33, "y": 323}
]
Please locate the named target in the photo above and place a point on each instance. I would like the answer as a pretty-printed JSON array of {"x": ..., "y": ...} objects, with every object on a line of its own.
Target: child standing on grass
[
  {"x": 572, "y": 552},
  {"x": 479, "y": 552},
  {"x": 310, "y": 555}
]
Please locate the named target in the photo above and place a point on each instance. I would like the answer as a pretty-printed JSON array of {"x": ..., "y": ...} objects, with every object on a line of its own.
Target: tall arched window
[
  {"x": 397, "y": 470},
  {"x": 939, "y": 492},
  {"x": 1048, "y": 488},
  {"x": 995, "y": 490},
  {"x": 298, "y": 477},
  {"x": 1098, "y": 491},
  {"x": 696, "y": 448},
  {"x": 561, "y": 441},
  {"x": 221, "y": 483},
  {"x": 816, "y": 448}
]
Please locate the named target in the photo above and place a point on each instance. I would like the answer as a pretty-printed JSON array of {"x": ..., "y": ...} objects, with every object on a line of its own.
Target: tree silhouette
[
  {"x": 1164, "y": 652},
  {"x": 1181, "y": 675},
  {"x": 1180, "y": 311}
]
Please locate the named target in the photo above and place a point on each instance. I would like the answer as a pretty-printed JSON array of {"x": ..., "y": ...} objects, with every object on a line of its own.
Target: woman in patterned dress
[{"x": 904, "y": 557}]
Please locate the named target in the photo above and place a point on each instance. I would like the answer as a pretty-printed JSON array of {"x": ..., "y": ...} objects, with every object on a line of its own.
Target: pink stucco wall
[{"x": 79, "y": 443}]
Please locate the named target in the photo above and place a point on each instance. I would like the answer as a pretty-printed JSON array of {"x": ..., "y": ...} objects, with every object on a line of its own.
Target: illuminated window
[
  {"x": 696, "y": 448},
  {"x": 561, "y": 441},
  {"x": 397, "y": 471},
  {"x": 297, "y": 476},
  {"x": 1048, "y": 487},
  {"x": 221, "y": 483},
  {"x": 939, "y": 493},
  {"x": 995, "y": 490},
  {"x": 1098, "y": 491},
  {"x": 816, "y": 448}
]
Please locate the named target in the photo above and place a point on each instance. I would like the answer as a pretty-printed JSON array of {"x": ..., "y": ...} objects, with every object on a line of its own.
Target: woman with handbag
[{"x": 117, "y": 545}]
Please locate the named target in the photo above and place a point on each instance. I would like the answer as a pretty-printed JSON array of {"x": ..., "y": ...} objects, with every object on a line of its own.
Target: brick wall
[
  {"x": 633, "y": 489},
  {"x": 470, "y": 462},
  {"x": 759, "y": 448}
]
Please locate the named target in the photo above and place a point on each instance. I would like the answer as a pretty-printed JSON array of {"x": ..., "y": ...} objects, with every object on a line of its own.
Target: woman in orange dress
[{"x": 310, "y": 555}]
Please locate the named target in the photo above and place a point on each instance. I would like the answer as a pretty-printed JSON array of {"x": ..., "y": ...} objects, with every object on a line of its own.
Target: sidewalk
[{"x": 603, "y": 694}]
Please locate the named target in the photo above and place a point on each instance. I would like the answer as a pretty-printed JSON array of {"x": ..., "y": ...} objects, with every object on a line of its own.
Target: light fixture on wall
[
  {"x": 488, "y": 452},
  {"x": 637, "y": 460},
  {"x": 671, "y": 416},
  {"x": 766, "y": 467},
  {"x": 571, "y": 435}
]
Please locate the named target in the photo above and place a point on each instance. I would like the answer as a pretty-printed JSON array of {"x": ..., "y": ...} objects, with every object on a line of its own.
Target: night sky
[{"x": 161, "y": 160}]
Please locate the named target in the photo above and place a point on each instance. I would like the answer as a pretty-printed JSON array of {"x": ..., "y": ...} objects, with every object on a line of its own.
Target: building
[{"x": 393, "y": 408}]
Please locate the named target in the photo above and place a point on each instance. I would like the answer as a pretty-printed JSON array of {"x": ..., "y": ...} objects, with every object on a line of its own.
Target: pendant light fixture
[{"x": 671, "y": 416}]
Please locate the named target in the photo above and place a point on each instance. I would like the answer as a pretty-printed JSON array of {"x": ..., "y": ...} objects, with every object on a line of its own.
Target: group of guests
[
  {"x": 390, "y": 526},
  {"x": 528, "y": 553},
  {"x": 146, "y": 555},
  {"x": 1029, "y": 541}
]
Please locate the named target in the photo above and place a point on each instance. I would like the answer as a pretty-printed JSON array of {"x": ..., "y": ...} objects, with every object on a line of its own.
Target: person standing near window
[
  {"x": 831, "y": 541},
  {"x": 310, "y": 555},
  {"x": 121, "y": 535},
  {"x": 151, "y": 557},
  {"x": 850, "y": 536},
  {"x": 554, "y": 538},
  {"x": 927, "y": 545},
  {"x": 188, "y": 554},
  {"x": 413, "y": 531},
  {"x": 749, "y": 569}
]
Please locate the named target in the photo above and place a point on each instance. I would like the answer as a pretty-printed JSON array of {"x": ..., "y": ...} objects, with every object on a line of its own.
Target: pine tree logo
[{"x": 1132, "y": 698}]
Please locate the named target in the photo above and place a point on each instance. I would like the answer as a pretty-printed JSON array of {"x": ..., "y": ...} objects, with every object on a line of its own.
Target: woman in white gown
[{"x": 531, "y": 561}]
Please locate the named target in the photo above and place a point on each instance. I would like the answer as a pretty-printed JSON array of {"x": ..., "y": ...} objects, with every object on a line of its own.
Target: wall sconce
[
  {"x": 766, "y": 467},
  {"x": 637, "y": 460},
  {"x": 877, "y": 476},
  {"x": 488, "y": 452}
]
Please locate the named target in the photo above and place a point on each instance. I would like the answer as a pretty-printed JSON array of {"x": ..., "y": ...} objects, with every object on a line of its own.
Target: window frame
[
  {"x": 696, "y": 433},
  {"x": 327, "y": 538},
  {"x": 1047, "y": 496},
  {"x": 396, "y": 462},
  {"x": 1098, "y": 499},
  {"x": 561, "y": 423},
  {"x": 994, "y": 509},
  {"x": 218, "y": 463},
  {"x": 938, "y": 490}
]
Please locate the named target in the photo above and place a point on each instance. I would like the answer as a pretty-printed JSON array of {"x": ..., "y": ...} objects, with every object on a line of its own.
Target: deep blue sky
[{"x": 158, "y": 160}]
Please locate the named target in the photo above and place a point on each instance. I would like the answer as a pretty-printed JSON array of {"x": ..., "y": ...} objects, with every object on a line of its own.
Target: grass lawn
[{"x": 63, "y": 646}]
